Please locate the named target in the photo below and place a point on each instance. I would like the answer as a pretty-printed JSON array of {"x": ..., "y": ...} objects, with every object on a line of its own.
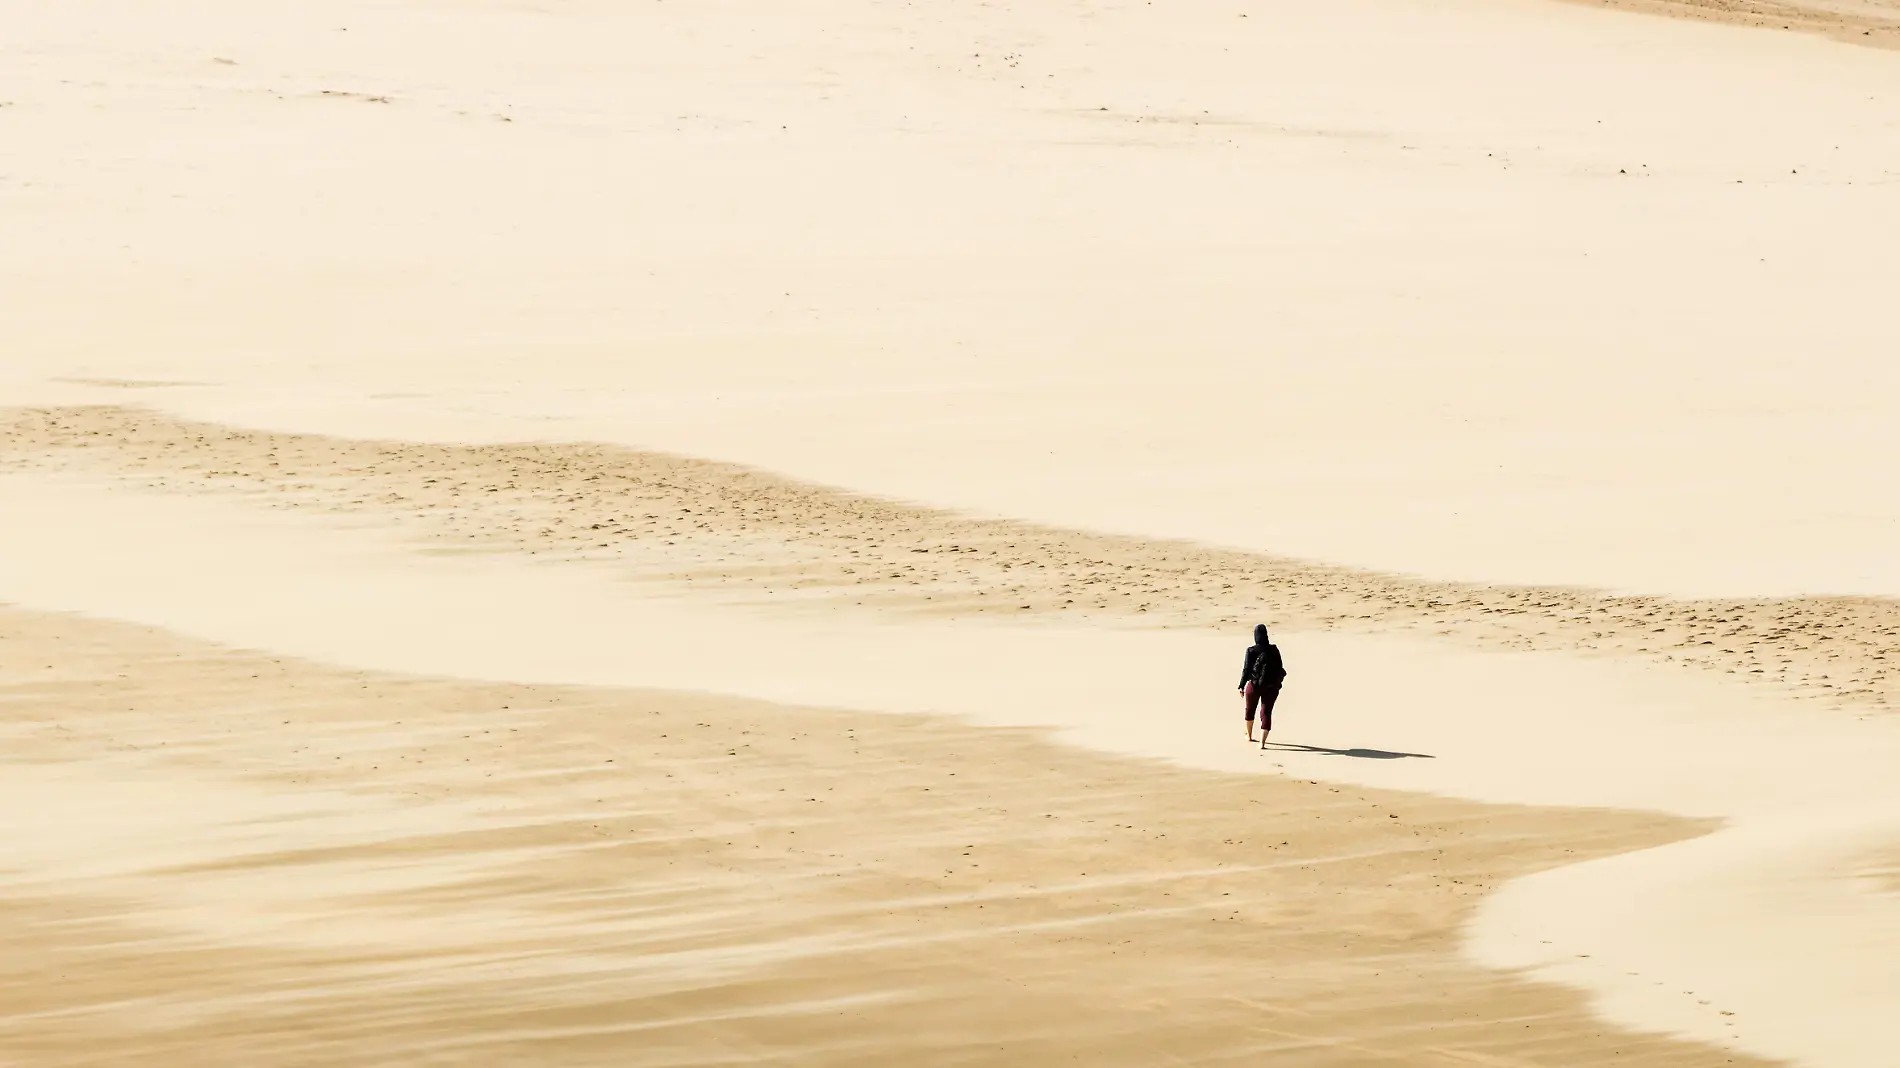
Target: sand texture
[
  {"x": 271, "y": 862},
  {"x": 722, "y": 529},
  {"x": 1502, "y": 291},
  {"x": 1886, "y": 869}
]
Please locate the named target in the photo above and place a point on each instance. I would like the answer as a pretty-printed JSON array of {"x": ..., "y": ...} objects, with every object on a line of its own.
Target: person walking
[{"x": 1260, "y": 676}]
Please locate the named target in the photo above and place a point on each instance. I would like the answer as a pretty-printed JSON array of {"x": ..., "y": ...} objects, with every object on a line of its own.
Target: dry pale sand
[
  {"x": 221, "y": 857},
  {"x": 1886, "y": 869},
  {"x": 1530, "y": 363},
  {"x": 731, "y": 531},
  {"x": 1498, "y": 290}
]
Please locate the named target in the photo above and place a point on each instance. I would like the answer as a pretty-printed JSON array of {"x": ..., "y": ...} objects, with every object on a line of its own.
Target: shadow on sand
[{"x": 1363, "y": 754}]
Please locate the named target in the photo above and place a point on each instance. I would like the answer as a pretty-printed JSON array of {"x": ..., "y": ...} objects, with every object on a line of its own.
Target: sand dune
[{"x": 1529, "y": 365}]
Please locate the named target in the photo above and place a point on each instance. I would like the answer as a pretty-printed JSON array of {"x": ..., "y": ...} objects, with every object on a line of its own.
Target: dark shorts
[{"x": 1264, "y": 700}]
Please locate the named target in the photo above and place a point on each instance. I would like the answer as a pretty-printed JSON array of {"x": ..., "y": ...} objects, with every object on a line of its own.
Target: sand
[
  {"x": 1874, "y": 23},
  {"x": 391, "y": 868},
  {"x": 1496, "y": 290},
  {"x": 1803, "y": 787},
  {"x": 732, "y": 533},
  {"x": 911, "y": 411}
]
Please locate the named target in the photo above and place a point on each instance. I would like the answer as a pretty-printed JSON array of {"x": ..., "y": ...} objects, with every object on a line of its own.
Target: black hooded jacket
[{"x": 1275, "y": 667}]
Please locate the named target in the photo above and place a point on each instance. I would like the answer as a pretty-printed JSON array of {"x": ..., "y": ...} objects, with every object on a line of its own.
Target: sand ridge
[{"x": 729, "y": 529}]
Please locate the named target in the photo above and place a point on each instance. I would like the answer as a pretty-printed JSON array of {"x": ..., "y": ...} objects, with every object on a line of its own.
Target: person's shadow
[{"x": 1363, "y": 754}]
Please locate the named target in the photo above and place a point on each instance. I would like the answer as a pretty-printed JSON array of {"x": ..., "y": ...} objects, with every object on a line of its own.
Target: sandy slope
[{"x": 215, "y": 856}]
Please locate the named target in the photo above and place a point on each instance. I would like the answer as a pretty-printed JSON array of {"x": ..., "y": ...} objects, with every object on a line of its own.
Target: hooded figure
[{"x": 1260, "y": 676}]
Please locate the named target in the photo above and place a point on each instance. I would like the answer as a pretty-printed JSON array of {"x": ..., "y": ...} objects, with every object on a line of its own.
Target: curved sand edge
[
  {"x": 1768, "y": 930},
  {"x": 264, "y": 860}
]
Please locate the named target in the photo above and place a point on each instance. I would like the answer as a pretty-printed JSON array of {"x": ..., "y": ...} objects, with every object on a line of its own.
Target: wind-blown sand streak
[
  {"x": 745, "y": 532},
  {"x": 265, "y": 861},
  {"x": 1862, "y": 22},
  {"x": 1886, "y": 869}
]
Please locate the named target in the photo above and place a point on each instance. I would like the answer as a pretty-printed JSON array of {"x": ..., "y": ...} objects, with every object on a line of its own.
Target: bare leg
[{"x": 1268, "y": 699}]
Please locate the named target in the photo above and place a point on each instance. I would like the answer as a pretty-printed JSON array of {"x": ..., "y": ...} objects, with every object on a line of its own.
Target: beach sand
[
  {"x": 686, "y": 535},
  {"x": 1764, "y": 937},
  {"x": 267, "y": 861},
  {"x": 1498, "y": 290}
]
